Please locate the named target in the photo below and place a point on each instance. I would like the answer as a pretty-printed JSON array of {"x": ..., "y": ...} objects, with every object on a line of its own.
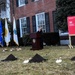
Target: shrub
[{"x": 26, "y": 39}]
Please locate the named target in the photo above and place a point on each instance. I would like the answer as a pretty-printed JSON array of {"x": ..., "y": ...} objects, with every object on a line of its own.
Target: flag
[
  {"x": 15, "y": 37},
  {"x": 1, "y": 36},
  {"x": 7, "y": 34}
]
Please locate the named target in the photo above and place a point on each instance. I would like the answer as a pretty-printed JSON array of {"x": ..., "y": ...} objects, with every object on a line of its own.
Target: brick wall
[{"x": 33, "y": 8}]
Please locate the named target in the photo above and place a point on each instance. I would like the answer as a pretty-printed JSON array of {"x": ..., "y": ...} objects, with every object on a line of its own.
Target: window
[
  {"x": 2, "y": 11},
  {"x": 40, "y": 21},
  {"x": 23, "y": 26},
  {"x": 22, "y": 2},
  {"x": 34, "y": 0},
  {"x": 2, "y": 7}
]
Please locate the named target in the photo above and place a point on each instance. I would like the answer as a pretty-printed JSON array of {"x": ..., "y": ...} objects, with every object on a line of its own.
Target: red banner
[{"x": 71, "y": 25}]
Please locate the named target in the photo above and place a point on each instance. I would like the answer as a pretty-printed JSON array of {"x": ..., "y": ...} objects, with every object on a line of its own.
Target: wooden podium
[{"x": 35, "y": 41}]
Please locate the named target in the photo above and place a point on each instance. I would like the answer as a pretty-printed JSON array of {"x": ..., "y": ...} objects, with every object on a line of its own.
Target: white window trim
[
  {"x": 36, "y": 19},
  {"x": 36, "y": 23},
  {"x": 21, "y": 26},
  {"x": 20, "y": 5},
  {"x": 36, "y": 0}
]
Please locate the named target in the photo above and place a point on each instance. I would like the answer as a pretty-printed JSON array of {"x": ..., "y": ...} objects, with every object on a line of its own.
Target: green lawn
[{"x": 50, "y": 67}]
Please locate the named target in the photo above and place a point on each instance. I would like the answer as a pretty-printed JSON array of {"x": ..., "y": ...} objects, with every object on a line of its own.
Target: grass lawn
[{"x": 50, "y": 67}]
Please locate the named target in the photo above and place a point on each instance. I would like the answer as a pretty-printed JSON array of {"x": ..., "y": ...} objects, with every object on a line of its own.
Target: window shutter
[
  {"x": 34, "y": 23},
  {"x": 32, "y": 0},
  {"x": 26, "y": 1},
  {"x": 54, "y": 22},
  {"x": 17, "y": 3},
  {"x": 28, "y": 24},
  {"x": 18, "y": 27},
  {"x": 47, "y": 22}
]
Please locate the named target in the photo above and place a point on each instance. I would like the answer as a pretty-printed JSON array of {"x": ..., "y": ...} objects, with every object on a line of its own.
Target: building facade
[
  {"x": 32, "y": 14},
  {"x": 5, "y": 9}
]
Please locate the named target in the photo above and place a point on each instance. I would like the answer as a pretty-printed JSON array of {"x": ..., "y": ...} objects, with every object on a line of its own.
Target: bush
[
  {"x": 51, "y": 38},
  {"x": 27, "y": 40},
  {"x": 48, "y": 38}
]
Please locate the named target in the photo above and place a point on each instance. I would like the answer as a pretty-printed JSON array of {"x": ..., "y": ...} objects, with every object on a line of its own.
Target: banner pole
[{"x": 70, "y": 44}]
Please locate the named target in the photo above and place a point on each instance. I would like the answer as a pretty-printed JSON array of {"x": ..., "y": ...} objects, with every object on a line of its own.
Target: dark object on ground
[
  {"x": 73, "y": 58},
  {"x": 10, "y": 58},
  {"x": 37, "y": 58}
]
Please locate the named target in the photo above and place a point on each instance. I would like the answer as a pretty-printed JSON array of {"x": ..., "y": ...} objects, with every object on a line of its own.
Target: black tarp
[
  {"x": 37, "y": 58},
  {"x": 11, "y": 57},
  {"x": 73, "y": 58}
]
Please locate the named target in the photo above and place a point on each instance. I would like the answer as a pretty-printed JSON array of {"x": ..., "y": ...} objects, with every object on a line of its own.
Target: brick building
[
  {"x": 5, "y": 9},
  {"x": 32, "y": 14}
]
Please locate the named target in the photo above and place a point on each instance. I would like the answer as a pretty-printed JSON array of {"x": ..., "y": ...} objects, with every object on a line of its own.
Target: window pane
[
  {"x": 21, "y": 2},
  {"x": 23, "y": 25},
  {"x": 41, "y": 21},
  {"x": 36, "y": 0}
]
